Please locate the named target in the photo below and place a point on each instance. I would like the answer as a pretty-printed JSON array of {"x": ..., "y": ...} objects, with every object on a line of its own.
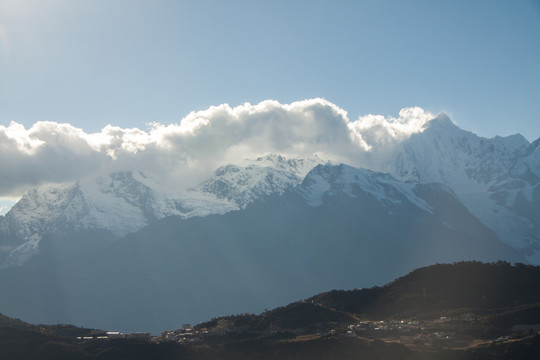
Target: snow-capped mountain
[
  {"x": 255, "y": 179},
  {"x": 125, "y": 202},
  {"x": 340, "y": 227},
  {"x": 327, "y": 181},
  {"x": 444, "y": 153},
  {"x": 497, "y": 179}
]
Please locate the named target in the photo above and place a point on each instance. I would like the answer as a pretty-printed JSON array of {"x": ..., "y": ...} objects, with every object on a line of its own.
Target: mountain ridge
[
  {"x": 266, "y": 231},
  {"x": 497, "y": 179},
  {"x": 274, "y": 251},
  {"x": 125, "y": 202}
]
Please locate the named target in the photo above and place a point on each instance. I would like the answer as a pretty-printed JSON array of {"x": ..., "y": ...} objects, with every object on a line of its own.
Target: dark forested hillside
[{"x": 468, "y": 284}]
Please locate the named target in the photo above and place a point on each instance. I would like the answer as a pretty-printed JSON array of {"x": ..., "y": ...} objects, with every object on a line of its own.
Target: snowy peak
[
  {"x": 121, "y": 202},
  {"x": 441, "y": 123},
  {"x": 497, "y": 179},
  {"x": 326, "y": 181},
  {"x": 244, "y": 185},
  {"x": 80, "y": 205},
  {"x": 129, "y": 188},
  {"x": 300, "y": 167},
  {"x": 446, "y": 154},
  {"x": 40, "y": 211},
  {"x": 64, "y": 203},
  {"x": 265, "y": 176}
]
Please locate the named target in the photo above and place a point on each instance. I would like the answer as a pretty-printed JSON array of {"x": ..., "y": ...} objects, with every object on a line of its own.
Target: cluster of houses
[
  {"x": 441, "y": 331},
  {"x": 364, "y": 327},
  {"x": 111, "y": 335},
  {"x": 185, "y": 333},
  {"x": 407, "y": 326},
  {"x": 417, "y": 332}
]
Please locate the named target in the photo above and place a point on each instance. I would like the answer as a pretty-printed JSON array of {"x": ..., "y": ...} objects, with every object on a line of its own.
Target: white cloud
[
  {"x": 184, "y": 153},
  {"x": 377, "y": 130}
]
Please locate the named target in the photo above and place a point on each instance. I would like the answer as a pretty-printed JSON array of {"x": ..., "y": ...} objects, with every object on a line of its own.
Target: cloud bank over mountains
[{"x": 184, "y": 153}]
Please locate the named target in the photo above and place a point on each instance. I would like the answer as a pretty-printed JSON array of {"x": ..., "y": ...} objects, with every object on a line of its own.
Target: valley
[{"x": 476, "y": 322}]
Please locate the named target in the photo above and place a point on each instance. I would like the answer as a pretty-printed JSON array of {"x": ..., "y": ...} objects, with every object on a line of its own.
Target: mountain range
[{"x": 264, "y": 232}]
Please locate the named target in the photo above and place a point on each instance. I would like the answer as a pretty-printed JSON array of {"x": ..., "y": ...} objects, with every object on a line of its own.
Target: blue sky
[{"x": 128, "y": 63}]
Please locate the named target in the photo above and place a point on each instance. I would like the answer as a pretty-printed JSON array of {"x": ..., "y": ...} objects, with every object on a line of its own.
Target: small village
[{"x": 442, "y": 332}]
